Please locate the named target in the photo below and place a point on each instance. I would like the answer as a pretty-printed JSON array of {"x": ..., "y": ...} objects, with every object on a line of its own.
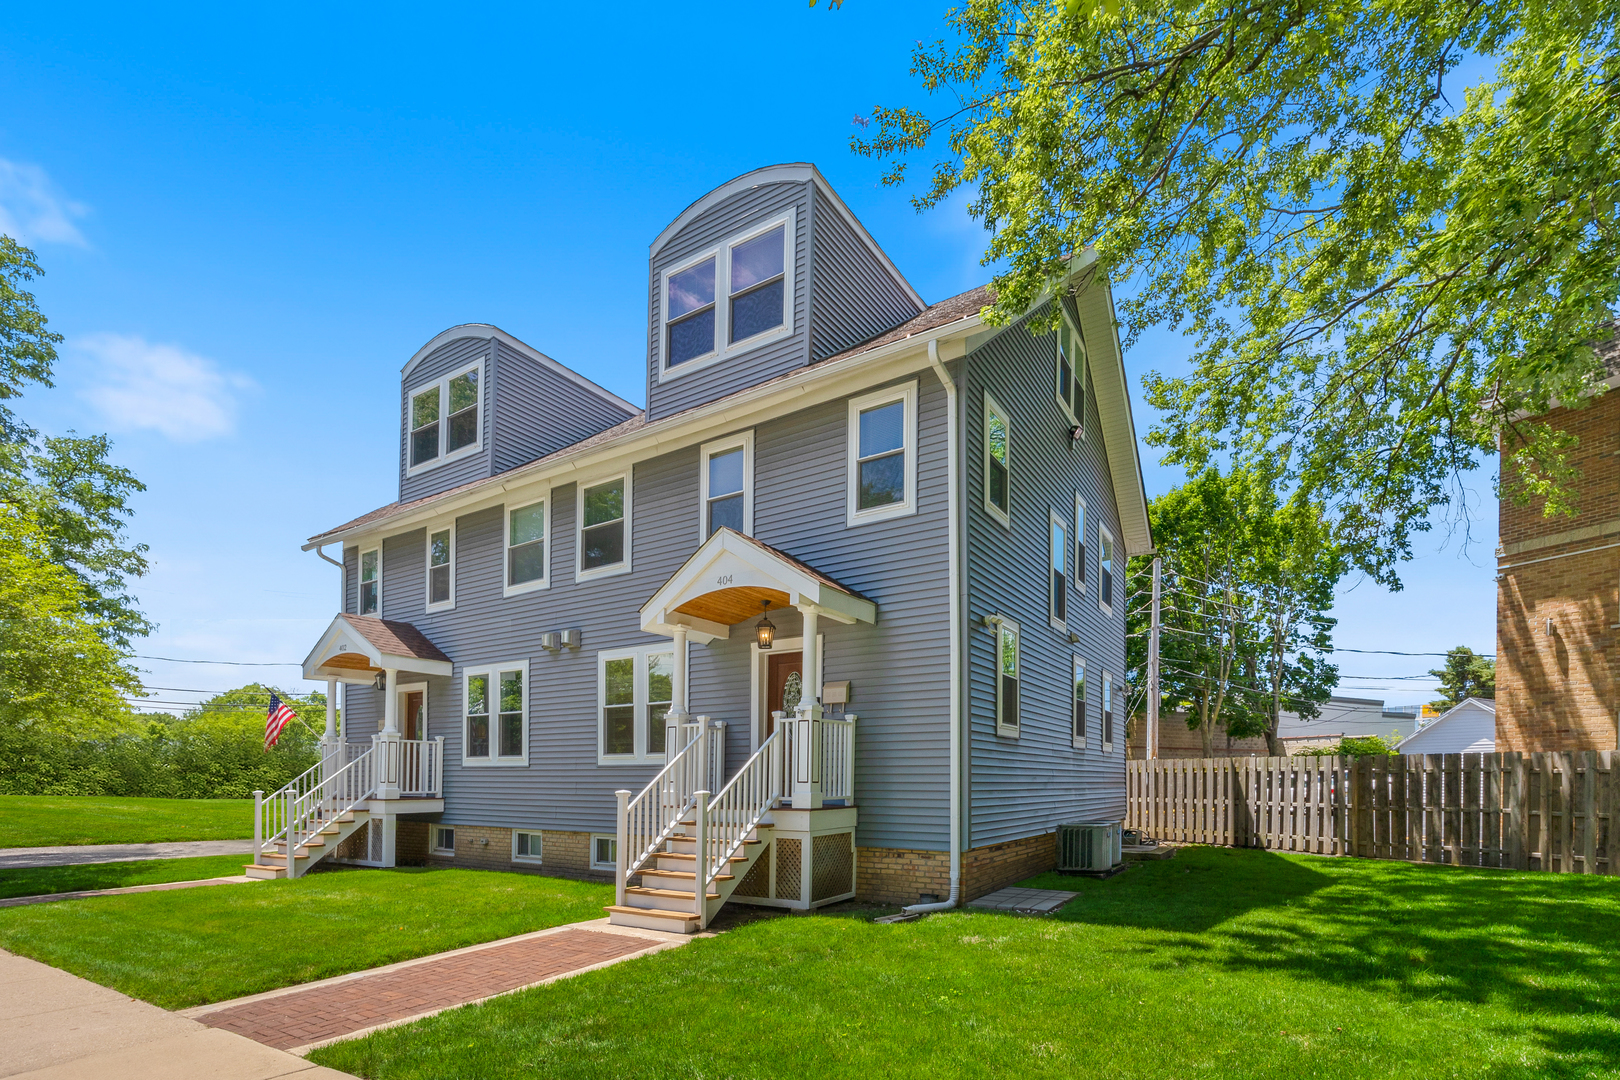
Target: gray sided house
[{"x": 839, "y": 613}]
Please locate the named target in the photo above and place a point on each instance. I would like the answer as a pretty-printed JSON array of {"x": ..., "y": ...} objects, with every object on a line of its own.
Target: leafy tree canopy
[
  {"x": 1380, "y": 265},
  {"x": 1465, "y": 674}
]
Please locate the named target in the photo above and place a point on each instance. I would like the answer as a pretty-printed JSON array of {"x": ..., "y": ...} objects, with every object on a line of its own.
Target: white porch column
[
  {"x": 677, "y": 714},
  {"x": 807, "y": 735},
  {"x": 330, "y": 763},
  {"x": 386, "y": 743}
]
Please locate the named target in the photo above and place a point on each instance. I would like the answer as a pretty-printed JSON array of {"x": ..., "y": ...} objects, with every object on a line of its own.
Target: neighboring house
[
  {"x": 835, "y": 492},
  {"x": 1558, "y": 596},
  {"x": 1340, "y": 718},
  {"x": 1468, "y": 727}
]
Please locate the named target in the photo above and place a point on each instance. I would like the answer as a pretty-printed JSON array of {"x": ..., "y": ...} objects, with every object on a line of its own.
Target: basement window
[
  {"x": 604, "y": 852},
  {"x": 526, "y": 847},
  {"x": 444, "y": 840}
]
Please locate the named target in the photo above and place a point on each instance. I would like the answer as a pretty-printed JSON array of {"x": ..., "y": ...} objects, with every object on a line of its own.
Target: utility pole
[{"x": 1153, "y": 670}]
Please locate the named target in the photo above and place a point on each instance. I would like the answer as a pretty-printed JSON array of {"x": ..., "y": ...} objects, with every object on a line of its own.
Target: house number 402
[{"x": 724, "y": 579}]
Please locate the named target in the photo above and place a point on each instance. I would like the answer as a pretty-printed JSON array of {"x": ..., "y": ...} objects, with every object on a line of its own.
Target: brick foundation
[
  {"x": 411, "y": 843},
  {"x": 478, "y": 847},
  {"x": 904, "y": 876}
]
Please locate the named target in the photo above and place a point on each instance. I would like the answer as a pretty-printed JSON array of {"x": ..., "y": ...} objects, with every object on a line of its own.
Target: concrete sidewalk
[
  {"x": 18, "y": 858},
  {"x": 165, "y": 886},
  {"x": 56, "y": 1026}
]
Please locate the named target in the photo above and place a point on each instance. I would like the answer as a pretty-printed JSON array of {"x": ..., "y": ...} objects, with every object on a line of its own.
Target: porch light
[{"x": 765, "y": 632}]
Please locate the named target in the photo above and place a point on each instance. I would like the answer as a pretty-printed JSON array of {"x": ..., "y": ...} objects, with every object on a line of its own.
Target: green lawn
[
  {"x": 59, "y": 820},
  {"x": 194, "y": 946},
  {"x": 1218, "y": 963},
  {"x": 39, "y": 880}
]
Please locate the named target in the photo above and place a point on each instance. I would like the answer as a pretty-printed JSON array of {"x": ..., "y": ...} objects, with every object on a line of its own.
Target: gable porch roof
[{"x": 355, "y": 647}]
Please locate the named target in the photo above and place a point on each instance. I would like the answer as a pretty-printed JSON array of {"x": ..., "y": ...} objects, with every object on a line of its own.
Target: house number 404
[{"x": 724, "y": 579}]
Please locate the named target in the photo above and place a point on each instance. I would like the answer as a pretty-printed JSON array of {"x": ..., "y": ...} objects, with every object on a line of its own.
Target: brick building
[{"x": 1558, "y": 597}]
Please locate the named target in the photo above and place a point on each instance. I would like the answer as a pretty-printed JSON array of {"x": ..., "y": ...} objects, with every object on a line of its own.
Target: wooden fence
[{"x": 1541, "y": 811}]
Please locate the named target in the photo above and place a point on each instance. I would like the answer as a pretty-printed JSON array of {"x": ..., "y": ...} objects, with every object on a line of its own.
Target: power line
[{"x": 226, "y": 663}]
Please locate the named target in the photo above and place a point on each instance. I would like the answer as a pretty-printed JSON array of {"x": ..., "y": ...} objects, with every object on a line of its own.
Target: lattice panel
[
  {"x": 374, "y": 829},
  {"x": 757, "y": 882},
  {"x": 832, "y": 865},
  {"x": 789, "y": 864}
]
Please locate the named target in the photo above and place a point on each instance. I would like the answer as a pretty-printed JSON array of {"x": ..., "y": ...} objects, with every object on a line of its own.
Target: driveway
[{"x": 18, "y": 858}]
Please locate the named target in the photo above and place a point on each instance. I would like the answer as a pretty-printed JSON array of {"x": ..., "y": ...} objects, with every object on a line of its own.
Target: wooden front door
[
  {"x": 412, "y": 725},
  {"x": 784, "y": 684}
]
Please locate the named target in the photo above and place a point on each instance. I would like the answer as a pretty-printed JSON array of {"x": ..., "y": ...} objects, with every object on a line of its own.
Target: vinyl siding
[
  {"x": 853, "y": 298},
  {"x": 1026, "y": 785},
  {"x": 449, "y": 357},
  {"x": 538, "y": 411},
  {"x": 899, "y": 667},
  {"x": 732, "y": 216}
]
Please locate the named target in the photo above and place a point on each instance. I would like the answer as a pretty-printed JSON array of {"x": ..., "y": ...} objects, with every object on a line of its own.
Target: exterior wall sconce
[
  {"x": 551, "y": 641},
  {"x": 380, "y": 683},
  {"x": 573, "y": 638},
  {"x": 765, "y": 632}
]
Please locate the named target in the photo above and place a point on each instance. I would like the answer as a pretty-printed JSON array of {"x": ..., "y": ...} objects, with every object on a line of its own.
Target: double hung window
[
  {"x": 883, "y": 454},
  {"x": 1071, "y": 372},
  {"x": 1078, "y": 716},
  {"x": 1079, "y": 541},
  {"x": 1008, "y": 671},
  {"x": 635, "y": 688},
  {"x": 1105, "y": 571},
  {"x": 728, "y": 485},
  {"x": 370, "y": 598},
  {"x": 730, "y": 298},
  {"x": 444, "y": 418},
  {"x": 997, "y": 461},
  {"x": 1057, "y": 584},
  {"x": 1107, "y": 712},
  {"x": 441, "y": 582},
  {"x": 604, "y": 527},
  {"x": 526, "y": 547},
  {"x": 495, "y": 726}
]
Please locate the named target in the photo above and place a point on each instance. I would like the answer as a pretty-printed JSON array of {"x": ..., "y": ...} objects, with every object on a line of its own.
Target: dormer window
[
  {"x": 728, "y": 299},
  {"x": 444, "y": 418}
]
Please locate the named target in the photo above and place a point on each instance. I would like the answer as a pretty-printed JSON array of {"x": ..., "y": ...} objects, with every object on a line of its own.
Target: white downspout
[
  {"x": 343, "y": 601},
  {"x": 951, "y": 483}
]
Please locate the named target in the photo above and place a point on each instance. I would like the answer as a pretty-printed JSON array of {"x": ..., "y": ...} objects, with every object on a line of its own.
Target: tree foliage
[
  {"x": 1246, "y": 581},
  {"x": 1380, "y": 266},
  {"x": 1465, "y": 674}
]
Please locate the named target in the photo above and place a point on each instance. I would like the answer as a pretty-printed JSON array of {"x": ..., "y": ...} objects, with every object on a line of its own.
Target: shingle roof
[
  {"x": 800, "y": 565},
  {"x": 961, "y": 306},
  {"x": 395, "y": 638}
]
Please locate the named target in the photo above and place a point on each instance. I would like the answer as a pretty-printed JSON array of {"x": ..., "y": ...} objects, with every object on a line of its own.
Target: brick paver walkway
[{"x": 332, "y": 1010}]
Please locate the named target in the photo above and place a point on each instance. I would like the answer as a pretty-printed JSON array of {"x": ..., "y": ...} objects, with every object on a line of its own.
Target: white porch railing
[
  {"x": 725, "y": 821},
  {"x": 649, "y": 819},
  {"x": 416, "y": 765},
  {"x": 838, "y": 759},
  {"x": 291, "y": 817}
]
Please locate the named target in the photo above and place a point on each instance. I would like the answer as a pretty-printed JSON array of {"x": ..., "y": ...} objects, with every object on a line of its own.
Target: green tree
[
  {"x": 1382, "y": 266},
  {"x": 1465, "y": 674},
  {"x": 1246, "y": 582}
]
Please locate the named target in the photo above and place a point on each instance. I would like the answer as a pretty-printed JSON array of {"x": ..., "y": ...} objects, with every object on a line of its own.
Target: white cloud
[
  {"x": 32, "y": 209},
  {"x": 138, "y": 385}
]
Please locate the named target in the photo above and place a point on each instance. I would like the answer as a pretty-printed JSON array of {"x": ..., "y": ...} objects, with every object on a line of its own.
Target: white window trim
[
  {"x": 1079, "y": 665},
  {"x": 907, "y": 393},
  {"x": 444, "y": 420},
  {"x": 1054, "y": 520},
  {"x": 1078, "y": 373},
  {"x": 721, "y": 254},
  {"x": 437, "y": 850},
  {"x": 640, "y": 655},
  {"x": 531, "y": 859},
  {"x": 745, "y": 440},
  {"x": 427, "y": 572},
  {"x": 360, "y": 582},
  {"x": 601, "y": 865},
  {"x": 1105, "y": 706},
  {"x": 1102, "y": 532},
  {"x": 1006, "y": 731},
  {"x": 993, "y": 407},
  {"x": 544, "y": 581},
  {"x": 622, "y": 567},
  {"x": 1079, "y": 552},
  {"x": 494, "y": 761}
]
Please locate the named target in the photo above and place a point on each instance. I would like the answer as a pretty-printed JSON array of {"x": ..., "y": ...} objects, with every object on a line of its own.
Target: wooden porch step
[
  {"x": 691, "y": 856},
  {"x": 652, "y": 913},
  {"x": 665, "y": 894},
  {"x": 281, "y": 856},
  {"x": 264, "y": 873},
  {"x": 679, "y": 875}
]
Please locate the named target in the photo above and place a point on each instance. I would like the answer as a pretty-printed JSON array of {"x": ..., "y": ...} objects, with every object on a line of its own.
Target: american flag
[{"x": 276, "y": 721}]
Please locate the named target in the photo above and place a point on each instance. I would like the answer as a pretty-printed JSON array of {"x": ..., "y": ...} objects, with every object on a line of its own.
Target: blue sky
[{"x": 250, "y": 221}]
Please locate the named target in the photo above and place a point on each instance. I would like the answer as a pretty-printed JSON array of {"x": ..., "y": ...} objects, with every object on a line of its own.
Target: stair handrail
[
  {"x": 292, "y": 817},
  {"x": 736, "y": 811},
  {"x": 650, "y": 818}
]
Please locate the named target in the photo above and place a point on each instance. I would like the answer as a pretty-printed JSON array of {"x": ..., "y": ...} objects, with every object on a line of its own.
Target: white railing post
[
  {"x": 700, "y": 879},
  {"x": 288, "y": 816},
  {"x": 258, "y": 825},
  {"x": 622, "y": 855},
  {"x": 701, "y": 776},
  {"x": 438, "y": 767}
]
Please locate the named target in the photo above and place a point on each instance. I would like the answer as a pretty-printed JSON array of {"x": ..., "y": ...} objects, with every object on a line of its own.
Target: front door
[
  {"x": 784, "y": 686},
  {"x": 412, "y": 726}
]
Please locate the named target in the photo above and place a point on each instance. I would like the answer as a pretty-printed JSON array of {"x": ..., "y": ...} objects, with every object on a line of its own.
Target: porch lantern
[{"x": 765, "y": 632}]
